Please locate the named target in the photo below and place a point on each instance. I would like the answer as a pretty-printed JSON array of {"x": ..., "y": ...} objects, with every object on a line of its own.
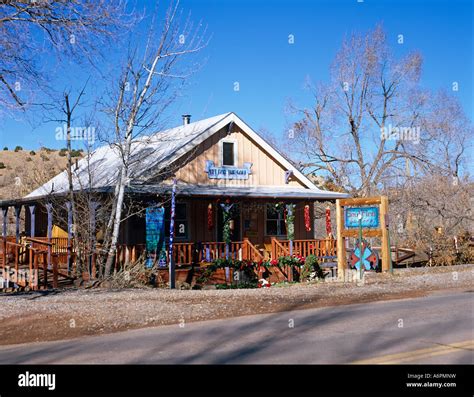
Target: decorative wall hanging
[
  {"x": 364, "y": 256},
  {"x": 226, "y": 232},
  {"x": 328, "y": 222},
  {"x": 307, "y": 218},
  {"x": 210, "y": 217},
  {"x": 290, "y": 221},
  {"x": 155, "y": 234}
]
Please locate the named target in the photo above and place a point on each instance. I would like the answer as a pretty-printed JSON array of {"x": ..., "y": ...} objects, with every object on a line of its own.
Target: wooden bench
[{"x": 331, "y": 264}]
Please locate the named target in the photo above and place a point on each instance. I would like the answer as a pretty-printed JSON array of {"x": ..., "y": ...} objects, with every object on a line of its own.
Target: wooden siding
[
  {"x": 41, "y": 220},
  {"x": 265, "y": 170}
]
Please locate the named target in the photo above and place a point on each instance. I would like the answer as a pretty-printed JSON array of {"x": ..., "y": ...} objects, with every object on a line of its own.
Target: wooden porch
[
  {"x": 42, "y": 263},
  {"x": 201, "y": 253},
  {"x": 35, "y": 263}
]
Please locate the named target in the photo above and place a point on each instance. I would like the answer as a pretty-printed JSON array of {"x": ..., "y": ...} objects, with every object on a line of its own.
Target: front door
[{"x": 236, "y": 234}]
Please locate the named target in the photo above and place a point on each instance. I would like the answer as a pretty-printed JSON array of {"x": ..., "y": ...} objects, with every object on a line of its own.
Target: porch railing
[
  {"x": 21, "y": 264},
  {"x": 184, "y": 253},
  {"x": 239, "y": 250},
  {"x": 320, "y": 248}
]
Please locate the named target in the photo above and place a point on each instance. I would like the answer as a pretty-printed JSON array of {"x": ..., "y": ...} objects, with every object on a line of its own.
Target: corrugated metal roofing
[
  {"x": 150, "y": 154},
  {"x": 101, "y": 168}
]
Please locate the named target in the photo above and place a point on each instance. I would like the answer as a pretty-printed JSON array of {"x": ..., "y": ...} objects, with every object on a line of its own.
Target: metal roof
[
  {"x": 101, "y": 168},
  {"x": 150, "y": 154}
]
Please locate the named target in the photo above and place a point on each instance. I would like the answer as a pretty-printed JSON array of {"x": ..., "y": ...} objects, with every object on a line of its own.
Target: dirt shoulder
[{"x": 41, "y": 316}]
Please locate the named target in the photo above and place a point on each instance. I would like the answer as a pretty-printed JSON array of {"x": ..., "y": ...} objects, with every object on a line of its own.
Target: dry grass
[{"x": 32, "y": 170}]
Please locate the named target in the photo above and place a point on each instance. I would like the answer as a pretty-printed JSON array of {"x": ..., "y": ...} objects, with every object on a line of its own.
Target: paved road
[{"x": 433, "y": 329}]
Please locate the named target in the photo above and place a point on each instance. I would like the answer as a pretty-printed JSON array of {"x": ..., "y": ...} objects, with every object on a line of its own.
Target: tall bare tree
[
  {"x": 368, "y": 119},
  {"x": 28, "y": 29},
  {"x": 150, "y": 79},
  {"x": 63, "y": 110}
]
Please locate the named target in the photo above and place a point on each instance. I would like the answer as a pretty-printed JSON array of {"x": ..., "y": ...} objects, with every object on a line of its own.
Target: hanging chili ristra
[
  {"x": 210, "y": 218},
  {"x": 307, "y": 218},
  {"x": 328, "y": 221}
]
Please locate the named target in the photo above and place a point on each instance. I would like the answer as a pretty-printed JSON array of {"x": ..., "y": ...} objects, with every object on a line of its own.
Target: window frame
[
  {"x": 221, "y": 152},
  {"x": 281, "y": 218},
  {"x": 187, "y": 220}
]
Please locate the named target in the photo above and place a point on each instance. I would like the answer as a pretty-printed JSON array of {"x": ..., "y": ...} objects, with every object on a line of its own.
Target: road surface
[{"x": 433, "y": 329}]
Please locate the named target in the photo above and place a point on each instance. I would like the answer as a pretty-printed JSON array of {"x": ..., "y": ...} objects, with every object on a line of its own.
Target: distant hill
[{"x": 22, "y": 171}]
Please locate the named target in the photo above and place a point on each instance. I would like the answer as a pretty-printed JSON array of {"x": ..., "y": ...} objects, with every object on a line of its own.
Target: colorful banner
[{"x": 155, "y": 236}]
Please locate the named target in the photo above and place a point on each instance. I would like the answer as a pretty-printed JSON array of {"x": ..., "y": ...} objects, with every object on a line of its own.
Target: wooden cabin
[{"x": 217, "y": 161}]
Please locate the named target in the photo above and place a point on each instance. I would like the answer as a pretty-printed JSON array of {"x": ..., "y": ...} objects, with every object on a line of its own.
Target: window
[
  {"x": 180, "y": 221},
  {"x": 275, "y": 222},
  {"x": 228, "y": 153}
]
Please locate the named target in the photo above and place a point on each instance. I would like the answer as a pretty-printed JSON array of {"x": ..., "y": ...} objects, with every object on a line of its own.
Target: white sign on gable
[{"x": 214, "y": 172}]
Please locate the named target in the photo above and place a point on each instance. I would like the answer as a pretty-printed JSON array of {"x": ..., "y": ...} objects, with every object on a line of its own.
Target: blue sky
[{"x": 250, "y": 46}]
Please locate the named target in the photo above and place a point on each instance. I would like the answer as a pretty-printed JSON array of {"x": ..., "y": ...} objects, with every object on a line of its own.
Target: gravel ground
[{"x": 38, "y": 316}]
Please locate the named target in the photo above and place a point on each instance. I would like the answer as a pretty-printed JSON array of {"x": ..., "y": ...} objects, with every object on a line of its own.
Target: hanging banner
[{"x": 155, "y": 236}]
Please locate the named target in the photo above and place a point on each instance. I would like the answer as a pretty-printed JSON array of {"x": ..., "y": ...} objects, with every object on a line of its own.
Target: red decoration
[
  {"x": 307, "y": 218},
  {"x": 210, "y": 218},
  {"x": 328, "y": 221}
]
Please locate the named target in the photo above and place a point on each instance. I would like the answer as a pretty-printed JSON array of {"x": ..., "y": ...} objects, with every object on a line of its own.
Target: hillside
[{"x": 25, "y": 170}]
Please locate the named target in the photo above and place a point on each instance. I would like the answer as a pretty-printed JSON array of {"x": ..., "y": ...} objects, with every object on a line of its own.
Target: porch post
[
  {"x": 341, "y": 242},
  {"x": 32, "y": 220},
  {"x": 290, "y": 225},
  {"x": 69, "y": 235},
  {"x": 49, "y": 210},
  {"x": 4, "y": 234},
  {"x": 172, "y": 275},
  {"x": 17, "y": 223},
  {"x": 92, "y": 217},
  {"x": 290, "y": 230},
  {"x": 226, "y": 234},
  {"x": 5, "y": 215},
  {"x": 384, "y": 225}
]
